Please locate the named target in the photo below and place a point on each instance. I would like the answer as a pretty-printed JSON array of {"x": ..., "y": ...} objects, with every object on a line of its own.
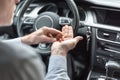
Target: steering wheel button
[
  {"x": 29, "y": 21},
  {"x": 64, "y": 21}
]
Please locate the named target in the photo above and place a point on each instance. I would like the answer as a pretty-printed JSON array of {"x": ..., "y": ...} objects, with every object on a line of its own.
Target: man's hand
[
  {"x": 43, "y": 35},
  {"x": 68, "y": 43}
]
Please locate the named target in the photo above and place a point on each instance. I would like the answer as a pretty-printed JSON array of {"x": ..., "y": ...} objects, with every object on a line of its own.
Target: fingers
[
  {"x": 67, "y": 32},
  {"x": 49, "y": 40},
  {"x": 57, "y": 37},
  {"x": 52, "y": 35},
  {"x": 52, "y": 31}
]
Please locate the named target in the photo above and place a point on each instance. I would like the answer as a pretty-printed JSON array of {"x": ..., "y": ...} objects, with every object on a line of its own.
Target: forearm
[
  {"x": 33, "y": 38},
  {"x": 59, "y": 51}
]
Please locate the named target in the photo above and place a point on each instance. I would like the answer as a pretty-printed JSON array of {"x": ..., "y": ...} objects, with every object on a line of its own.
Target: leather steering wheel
[{"x": 49, "y": 19}]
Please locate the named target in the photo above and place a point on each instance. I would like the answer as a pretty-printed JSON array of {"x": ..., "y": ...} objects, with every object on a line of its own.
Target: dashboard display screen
[{"x": 108, "y": 17}]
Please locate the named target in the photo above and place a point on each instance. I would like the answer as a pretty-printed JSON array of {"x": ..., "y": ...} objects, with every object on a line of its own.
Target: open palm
[{"x": 68, "y": 42}]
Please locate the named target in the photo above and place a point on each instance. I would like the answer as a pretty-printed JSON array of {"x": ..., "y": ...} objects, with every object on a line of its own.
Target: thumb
[{"x": 78, "y": 38}]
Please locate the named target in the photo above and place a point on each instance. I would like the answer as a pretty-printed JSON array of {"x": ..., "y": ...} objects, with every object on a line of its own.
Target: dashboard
[
  {"x": 105, "y": 46},
  {"x": 97, "y": 57}
]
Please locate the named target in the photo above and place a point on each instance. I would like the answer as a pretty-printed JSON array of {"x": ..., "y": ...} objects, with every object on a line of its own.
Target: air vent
[{"x": 107, "y": 34}]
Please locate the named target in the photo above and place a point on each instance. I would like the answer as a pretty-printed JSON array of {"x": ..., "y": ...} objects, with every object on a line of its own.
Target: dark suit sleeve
[
  {"x": 19, "y": 61},
  {"x": 26, "y": 65}
]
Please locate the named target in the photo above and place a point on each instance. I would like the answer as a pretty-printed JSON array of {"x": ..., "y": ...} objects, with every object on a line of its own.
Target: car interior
[{"x": 97, "y": 56}]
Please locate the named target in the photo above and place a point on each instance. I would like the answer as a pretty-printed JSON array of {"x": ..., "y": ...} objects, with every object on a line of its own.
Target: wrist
[
  {"x": 33, "y": 38},
  {"x": 59, "y": 52},
  {"x": 26, "y": 40}
]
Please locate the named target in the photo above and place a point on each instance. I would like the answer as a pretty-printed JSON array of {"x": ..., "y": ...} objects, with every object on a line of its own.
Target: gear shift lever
[{"x": 110, "y": 67}]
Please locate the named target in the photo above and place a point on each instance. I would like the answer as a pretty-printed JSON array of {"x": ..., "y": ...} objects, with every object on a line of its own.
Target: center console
[
  {"x": 105, "y": 55},
  {"x": 105, "y": 49}
]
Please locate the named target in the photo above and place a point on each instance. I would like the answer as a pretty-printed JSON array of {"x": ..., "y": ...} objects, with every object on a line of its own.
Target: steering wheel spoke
[{"x": 28, "y": 21}]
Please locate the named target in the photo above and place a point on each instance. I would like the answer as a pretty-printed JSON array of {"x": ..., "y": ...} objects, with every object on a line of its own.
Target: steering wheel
[{"x": 49, "y": 19}]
